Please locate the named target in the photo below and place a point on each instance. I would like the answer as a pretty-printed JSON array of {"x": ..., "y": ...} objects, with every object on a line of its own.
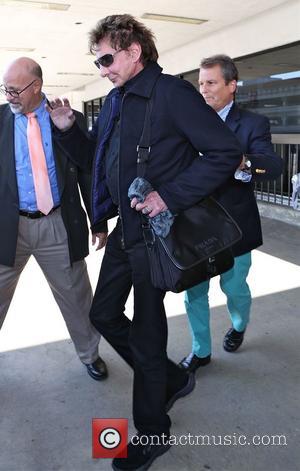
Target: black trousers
[{"x": 142, "y": 342}]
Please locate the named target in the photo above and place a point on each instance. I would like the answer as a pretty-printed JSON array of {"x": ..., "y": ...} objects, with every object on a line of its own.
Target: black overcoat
[{"x": 182, "y": 127}]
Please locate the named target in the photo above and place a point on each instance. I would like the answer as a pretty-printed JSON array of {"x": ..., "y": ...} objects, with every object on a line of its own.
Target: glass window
[
  {"x": 91, "y": 110},
  {"x": 88, "y": 114},
  {"x": 270, "y": 85}
]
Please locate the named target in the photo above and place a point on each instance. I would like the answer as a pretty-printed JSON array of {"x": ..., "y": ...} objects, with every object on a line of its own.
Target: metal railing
[{"x": 279, "y": 191}]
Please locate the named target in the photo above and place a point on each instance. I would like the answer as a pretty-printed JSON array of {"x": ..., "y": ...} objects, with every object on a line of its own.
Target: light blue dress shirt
[
  {"x": 27, "y": 198},
  {"x": 223, "y": 113}
]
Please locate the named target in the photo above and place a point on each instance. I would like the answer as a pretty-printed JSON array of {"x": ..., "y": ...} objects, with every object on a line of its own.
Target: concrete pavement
[{"x": 47, "y": 400}]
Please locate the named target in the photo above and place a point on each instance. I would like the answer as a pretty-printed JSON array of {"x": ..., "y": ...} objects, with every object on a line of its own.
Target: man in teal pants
[{"x": 218, "y": 78}]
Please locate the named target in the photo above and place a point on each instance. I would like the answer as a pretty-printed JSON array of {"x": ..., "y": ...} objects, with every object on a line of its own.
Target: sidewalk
[{"x": 47, "y": 400}]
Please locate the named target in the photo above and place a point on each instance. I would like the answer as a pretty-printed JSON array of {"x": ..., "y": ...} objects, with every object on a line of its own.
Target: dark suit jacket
[
  {"x": 253, "y": 132},
  {"x": 68, "y": 176}
]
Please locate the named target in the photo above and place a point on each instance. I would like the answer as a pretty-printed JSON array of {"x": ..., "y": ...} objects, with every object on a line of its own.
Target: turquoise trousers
[{"x": 234, "y": 285}]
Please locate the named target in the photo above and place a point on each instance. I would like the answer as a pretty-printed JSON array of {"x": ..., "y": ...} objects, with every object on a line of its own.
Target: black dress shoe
[
  {"x": 233, "y": 340},
  {"x": 191, "y": 363},
  {"x": 184, "y": 391},
  {"x": 140, "y": 457},
  {"x": 97, "y": 370}
]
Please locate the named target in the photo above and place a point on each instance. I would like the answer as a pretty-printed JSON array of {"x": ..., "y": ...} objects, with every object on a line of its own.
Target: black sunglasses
[
  {"x": 14, "y": 93},
  {"x": 106, "y": 60}
]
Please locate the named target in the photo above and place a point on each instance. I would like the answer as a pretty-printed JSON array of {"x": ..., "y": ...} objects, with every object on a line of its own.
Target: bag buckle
[
  {"x": 149, "y": 236},
  {"x": 143, "y": 153}
]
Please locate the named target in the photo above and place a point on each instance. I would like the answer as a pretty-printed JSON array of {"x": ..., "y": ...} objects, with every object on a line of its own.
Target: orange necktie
[{"x": 38, "y": 164}]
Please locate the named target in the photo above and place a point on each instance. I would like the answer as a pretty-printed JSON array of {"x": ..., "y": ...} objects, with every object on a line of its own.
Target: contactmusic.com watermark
[{"x": 110, "y": 437}]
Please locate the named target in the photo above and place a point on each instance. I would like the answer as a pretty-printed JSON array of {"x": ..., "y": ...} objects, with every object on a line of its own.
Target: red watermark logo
[{"x": 110, "y": 438}]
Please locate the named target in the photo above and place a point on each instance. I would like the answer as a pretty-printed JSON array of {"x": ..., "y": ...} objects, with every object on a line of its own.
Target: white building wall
[{"x": 273, "y": 28}]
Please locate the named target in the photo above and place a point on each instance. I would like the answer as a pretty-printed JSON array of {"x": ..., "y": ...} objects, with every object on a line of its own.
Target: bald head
[
  {"x": 23, "y": 75},
  {"x": 23, "y": 66}
]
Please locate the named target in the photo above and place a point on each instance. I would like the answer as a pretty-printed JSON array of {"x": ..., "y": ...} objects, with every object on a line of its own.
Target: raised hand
[{"x": 61, "y": 113}]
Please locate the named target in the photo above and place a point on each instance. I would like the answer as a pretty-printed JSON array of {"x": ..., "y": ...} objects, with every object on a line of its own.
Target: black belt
[{"x": 36, "y": 214}]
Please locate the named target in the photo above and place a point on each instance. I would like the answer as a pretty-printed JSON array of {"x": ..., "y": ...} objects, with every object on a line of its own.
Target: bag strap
[
  {"x": 143, "y": 147},
  {"x": 143, "y": 151}
]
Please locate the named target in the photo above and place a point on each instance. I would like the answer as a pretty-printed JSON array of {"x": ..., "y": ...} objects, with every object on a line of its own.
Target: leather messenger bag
[{"x": 198, "y": 246}]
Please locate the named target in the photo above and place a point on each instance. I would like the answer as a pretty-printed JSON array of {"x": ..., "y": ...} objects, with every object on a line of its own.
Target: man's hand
[
  {"x": 61, "y": 113},
  {"x": 102, "y": 238},
  {"x": 152, "y": 206}
]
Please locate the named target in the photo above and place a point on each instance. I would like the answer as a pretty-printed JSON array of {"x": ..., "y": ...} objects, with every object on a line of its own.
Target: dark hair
[
  {"x": 229, "y": 70},
  {"x": 122, "y": 31}
]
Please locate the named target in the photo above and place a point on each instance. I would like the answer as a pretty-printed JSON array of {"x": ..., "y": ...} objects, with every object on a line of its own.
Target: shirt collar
[
  {"x": 39, "y": 111},
  {"x": 223, "y": 113}
]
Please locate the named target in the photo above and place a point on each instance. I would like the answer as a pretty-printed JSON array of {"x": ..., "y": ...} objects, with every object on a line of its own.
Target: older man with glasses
[{"x": 41, "y": 214}]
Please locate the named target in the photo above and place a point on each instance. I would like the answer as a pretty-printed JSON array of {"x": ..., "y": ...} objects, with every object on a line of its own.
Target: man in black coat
[
  {"x": 58, "y": 238},
  {"x": 218, "y": 78},
  {"x": 182, "y": 125}
]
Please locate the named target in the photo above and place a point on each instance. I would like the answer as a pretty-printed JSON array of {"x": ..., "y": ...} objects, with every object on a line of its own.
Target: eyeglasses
[
  {"x": 106, "y": 60},
  {"x": 14, "y": 93}
]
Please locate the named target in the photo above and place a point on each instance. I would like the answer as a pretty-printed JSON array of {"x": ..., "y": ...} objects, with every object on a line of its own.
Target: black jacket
[
  {"x": 182, "y": 125},
  {"x": 68, "y": 176},
  {"x": 253, "y": 133}
]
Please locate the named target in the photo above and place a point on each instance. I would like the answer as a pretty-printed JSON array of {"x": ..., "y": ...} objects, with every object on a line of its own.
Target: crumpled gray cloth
[
  {"x": 161, "y": 223},
  {"x": 296, "y": 189}
]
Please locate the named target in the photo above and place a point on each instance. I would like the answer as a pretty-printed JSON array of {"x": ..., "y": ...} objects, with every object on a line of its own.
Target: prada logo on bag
[{"x": 206, "y": 244}]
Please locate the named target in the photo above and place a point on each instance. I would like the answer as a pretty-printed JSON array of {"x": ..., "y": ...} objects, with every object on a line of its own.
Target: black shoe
[
  {"x": 233, "y": 340},
  {"x": 191, "y": 363},
  {"x": 97, "y": 370},
  {"x": 140, "y": 457},
  {"x": 187, "y": 389}
]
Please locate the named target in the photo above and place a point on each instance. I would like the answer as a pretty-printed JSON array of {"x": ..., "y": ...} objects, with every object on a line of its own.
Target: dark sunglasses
[{"x": 106, "y": 60}]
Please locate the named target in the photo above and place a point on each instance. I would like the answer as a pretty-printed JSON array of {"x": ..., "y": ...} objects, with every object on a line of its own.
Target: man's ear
[
  {"x": 233, "y": 86},
  {"x": 135, "y": 51},
  {"x": 37, "y": 86}
]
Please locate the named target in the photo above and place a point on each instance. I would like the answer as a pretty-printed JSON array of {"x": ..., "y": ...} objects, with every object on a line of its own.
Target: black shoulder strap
[{"x": 143, "y": 148}]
